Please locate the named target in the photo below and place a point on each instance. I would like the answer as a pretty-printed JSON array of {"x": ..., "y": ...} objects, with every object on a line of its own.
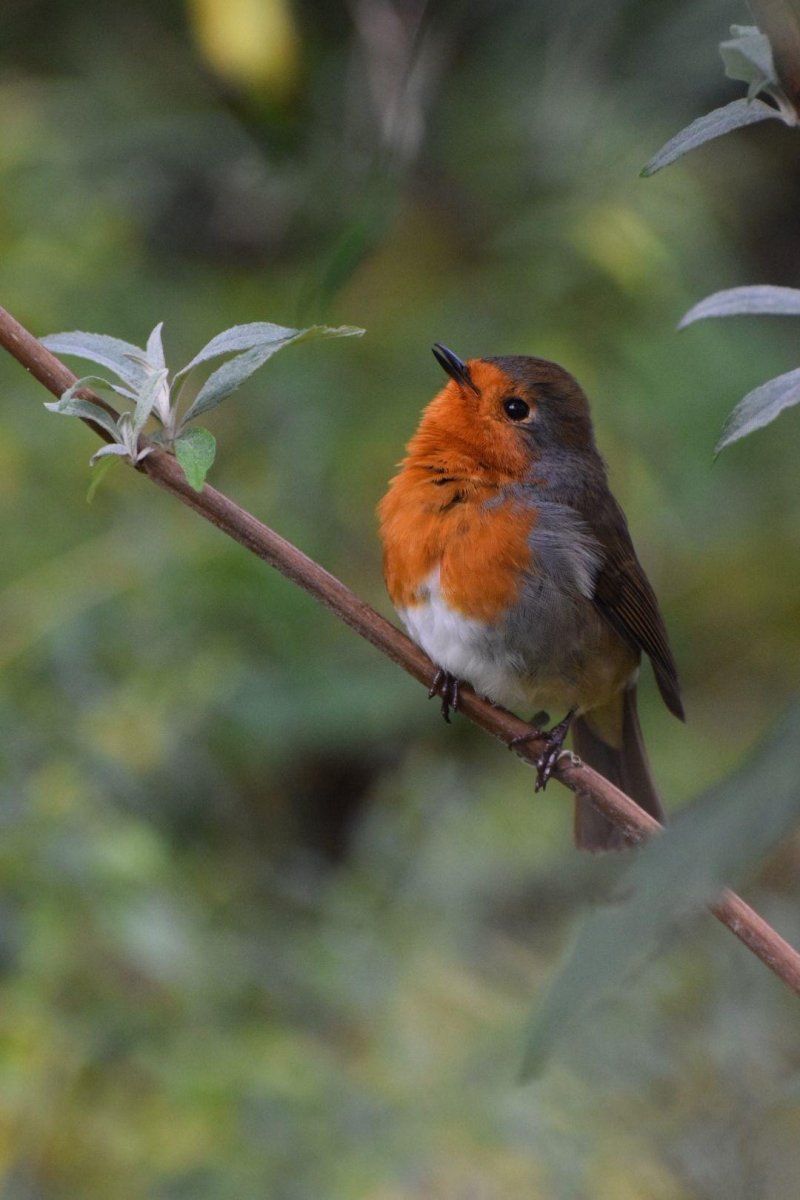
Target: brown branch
[{"x": 162, "y": 468}]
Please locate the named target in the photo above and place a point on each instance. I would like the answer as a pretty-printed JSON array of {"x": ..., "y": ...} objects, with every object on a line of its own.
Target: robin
[{"x": 511, "y": 565}]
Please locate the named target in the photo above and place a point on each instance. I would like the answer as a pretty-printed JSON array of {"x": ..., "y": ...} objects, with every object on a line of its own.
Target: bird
[{"x": 511, "y": 565}]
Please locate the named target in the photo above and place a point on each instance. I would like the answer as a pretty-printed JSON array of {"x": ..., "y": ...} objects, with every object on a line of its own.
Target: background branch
[{"x": 239, "y": 524}]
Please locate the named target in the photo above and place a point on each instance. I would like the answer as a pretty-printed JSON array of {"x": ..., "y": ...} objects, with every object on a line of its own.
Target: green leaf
[
  {"x": 759, "y": 299},
  {"x": 231, "y": 375},
  {"x": 98, "y": 475},
  {"x": 241, "y": 337},
  {"x": 154, "y": 352},
  {"x": 128, "y": 393},
  {"x": 72, "y": 406},
  {"x": 227, "y": 378},
  {"x": 117, "y": 449},
  {"x": 760, "y": 407},
  {"x": 722, "y": 120},
  {"x": 118, "y": 356},
  {"x": 195, "y": 451},
  {"x": 147, "y": 398},
  {"x": 317, "y": 332},
  {"x": 321, "y": 332},
  {"x": 263, "y": 334},
  {"x": 716, "y": 840},
  {"x": 86, "y": 381},
  {"x": 346, "y": 254},
  {"x": 748, "y": 57}
]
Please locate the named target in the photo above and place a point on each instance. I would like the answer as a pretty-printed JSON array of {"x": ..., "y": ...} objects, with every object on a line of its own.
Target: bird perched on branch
[{"x": 511, "y": 565}]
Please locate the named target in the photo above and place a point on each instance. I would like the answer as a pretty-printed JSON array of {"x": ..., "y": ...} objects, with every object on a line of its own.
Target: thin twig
[{"x": 162, "y": 468}]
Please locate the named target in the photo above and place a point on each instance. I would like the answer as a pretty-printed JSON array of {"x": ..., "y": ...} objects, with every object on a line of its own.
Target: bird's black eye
[{"x": 515, "y": 408}]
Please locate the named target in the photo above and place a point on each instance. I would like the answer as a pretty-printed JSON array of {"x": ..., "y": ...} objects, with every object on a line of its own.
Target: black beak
[{"x": 453, "y": 366}]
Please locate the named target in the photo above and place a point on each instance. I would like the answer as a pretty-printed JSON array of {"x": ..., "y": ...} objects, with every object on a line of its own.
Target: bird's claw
[
  {"x": 548, "y": 761},
  {"x": 445, "y": 686},
  {"x": 554, "y": 738},
  {"x": 545, "y": 765},
  {"x": 535, "y": 731}
]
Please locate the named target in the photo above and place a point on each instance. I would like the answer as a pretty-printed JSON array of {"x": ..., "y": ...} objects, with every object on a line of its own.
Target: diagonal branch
[{"x": 233, "y": 520}]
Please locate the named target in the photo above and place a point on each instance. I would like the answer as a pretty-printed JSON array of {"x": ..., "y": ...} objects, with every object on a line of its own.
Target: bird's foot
[
  {"x": 537, "y": 721},
  {"x": 554, "y": 744},
  {"x": 446, "y": 687}
]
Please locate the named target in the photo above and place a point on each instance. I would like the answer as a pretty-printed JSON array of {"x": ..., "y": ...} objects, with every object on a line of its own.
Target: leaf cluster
[
  {"x": 747, "y": 56},
  {"x": 764, "y": 403},
  {"x": 145, "y": 383}
]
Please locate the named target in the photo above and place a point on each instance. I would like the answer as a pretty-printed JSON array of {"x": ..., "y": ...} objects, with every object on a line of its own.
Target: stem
[
  {"x": 780, "y": 21},
  {"x": 239, "y": 524}
]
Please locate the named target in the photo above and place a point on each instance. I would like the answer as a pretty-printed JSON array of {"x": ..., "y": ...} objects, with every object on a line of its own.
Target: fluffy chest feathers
[
  {"x": 474, "y": 537},
  {"x": 496, "y": 587}
]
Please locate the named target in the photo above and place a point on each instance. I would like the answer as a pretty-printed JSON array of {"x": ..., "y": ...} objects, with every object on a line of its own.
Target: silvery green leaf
[
  {"x": 105, "y": 451},
  {"x": 123, "y": 391},
  {"x": 760, "y": 407},
  {"x": 109, "y": 352},
  {"x": 712, "y": 125},
  {"x": 322, "y": 332},
  {"x": 195, "y": 451},
  {"x": 232, "y": 374},
  {"x": 155, "y": 348},
  {"x": 127, "y": 436},
  {"x": 147, "y": 397},
  {"x": 715, "y": 840},
  {"x": 741, "y": 301},
  {"x": 84, "y": 382},
  {"x": 72, "y": 406},
  {"x": 98, "y": 475},
  {"x": 264, "y": 334},
  {"x": 748, "y": 57},
  {"x": 228, "y": 378},
  {"x": 240, "y": 337}
]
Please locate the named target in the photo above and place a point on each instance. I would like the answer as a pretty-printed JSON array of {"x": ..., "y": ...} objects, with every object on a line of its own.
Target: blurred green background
[{"x": 269, "y": 928}]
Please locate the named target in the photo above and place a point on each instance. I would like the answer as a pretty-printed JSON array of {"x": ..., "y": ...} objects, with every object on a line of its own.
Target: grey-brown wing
[{"x": 624, "y": 597}]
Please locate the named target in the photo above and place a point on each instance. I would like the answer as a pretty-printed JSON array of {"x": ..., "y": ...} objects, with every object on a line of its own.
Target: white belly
[
  {"x": 470, "y": 650},
  {"x": 526, "y": 665}
]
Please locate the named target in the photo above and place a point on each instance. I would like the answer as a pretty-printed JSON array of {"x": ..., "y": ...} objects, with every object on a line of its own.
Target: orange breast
[{"x": 481, "y": 552}]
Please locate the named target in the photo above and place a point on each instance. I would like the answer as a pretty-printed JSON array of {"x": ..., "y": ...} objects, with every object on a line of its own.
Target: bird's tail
[{"x": 610, "y": 740}]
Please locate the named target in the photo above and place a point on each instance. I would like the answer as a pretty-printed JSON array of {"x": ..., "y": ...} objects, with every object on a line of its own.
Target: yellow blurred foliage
[
  {"x": 621, "y": 243},
  {"x": 253, "y": 44}
]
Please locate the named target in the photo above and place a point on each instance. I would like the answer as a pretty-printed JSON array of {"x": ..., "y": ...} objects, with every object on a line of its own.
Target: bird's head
[{"x": 507, "y": 412}]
